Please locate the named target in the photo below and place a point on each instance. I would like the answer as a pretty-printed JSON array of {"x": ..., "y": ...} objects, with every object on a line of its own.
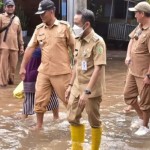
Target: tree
[
  {"x": 1, "y": 3},
  {"x": 148, "y": 1},
  {"x": 23, "y": 18}
]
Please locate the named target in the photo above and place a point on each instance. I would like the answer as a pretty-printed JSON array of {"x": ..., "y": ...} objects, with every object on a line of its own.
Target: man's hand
[
  {"x": 146, "y": 80},
  {"x": 21, "y": 52},
  {"x": 67, "y": 93},
  {"x": 127, "y": 61},
  {"x": 83, "y": 99},
  {"x": 22, "y": 73}
]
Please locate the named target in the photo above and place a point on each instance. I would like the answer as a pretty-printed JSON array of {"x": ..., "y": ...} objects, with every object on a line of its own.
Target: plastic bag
[{"x": 19, "y": 92}]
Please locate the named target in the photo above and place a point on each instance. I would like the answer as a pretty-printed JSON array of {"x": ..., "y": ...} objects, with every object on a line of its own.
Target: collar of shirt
[
  {"x": 56, "y": 23},
  {"x": 145, "y": 27},
  {"x": 5, "y": 14},
  {"x": 89, "y": 36}
]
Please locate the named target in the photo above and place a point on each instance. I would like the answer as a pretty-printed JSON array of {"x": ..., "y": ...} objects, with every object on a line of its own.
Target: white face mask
[{"x": 78, "y": 31}]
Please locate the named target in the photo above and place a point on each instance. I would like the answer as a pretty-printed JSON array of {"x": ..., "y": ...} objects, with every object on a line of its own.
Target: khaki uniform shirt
[
  {"x": 91, "y": 49},
  {"x": 14, "y": 40},
  {"x": 54, "y": 42},
  {"x": 140, "y": 52}
]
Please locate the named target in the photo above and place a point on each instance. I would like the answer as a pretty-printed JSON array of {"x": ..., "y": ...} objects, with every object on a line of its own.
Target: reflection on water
[{"x": 15, "y": 134}]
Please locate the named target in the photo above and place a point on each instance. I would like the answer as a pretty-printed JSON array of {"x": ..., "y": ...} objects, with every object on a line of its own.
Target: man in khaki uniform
[
  {"x": 11, "y": 42},
  {"x": 138, "y": 60},
  {"x": 54, "y": 37},
  {"x": 87, "y": 82}
]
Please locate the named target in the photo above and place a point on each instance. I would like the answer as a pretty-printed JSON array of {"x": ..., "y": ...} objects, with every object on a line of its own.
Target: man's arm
[
  {"x": 28, "y": 53},
  {"x": 20, "y": 39},
  {"x": 94, "y": 77},
  {"x": 67, "y": 93},
  {"x": 26, "y": 58},
  {"x": 90, "y": 85},
  {"x": 70, "y": 39},
  {"x": 128, "y": 55},
  {"x": 147, "y": 79}
]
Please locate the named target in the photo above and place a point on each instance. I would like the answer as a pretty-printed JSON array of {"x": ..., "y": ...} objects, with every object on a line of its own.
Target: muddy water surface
[{"x": 15, "y": 134}]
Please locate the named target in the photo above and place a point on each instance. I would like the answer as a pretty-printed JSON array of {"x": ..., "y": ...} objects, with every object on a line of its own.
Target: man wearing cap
[
  {"x": 138, "y": 60},
  {"x": 11, "y": 42},
  {"x": 54, "y": 37}
]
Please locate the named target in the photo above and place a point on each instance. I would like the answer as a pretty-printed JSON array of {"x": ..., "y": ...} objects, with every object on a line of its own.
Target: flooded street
[{"x": 15, "y": 134}]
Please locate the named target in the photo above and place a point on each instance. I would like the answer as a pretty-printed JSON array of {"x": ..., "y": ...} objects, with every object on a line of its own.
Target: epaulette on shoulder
[
  {"x": 40, "y": 26},
  {"x": 95, "y": 37},
  {"x": 64, "y": 22},
  {"x": 2, "y": 14}
]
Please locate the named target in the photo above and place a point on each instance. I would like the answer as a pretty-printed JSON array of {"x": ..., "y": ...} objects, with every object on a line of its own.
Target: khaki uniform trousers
[
  {"x": 92, "y": 108},
  {"x": 134, "y": 87},
  {"x": 8, "y": 64},
  {"x": 44, "y": 85}
]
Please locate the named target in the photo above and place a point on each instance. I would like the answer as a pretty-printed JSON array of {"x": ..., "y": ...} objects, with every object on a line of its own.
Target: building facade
[
  {"x": 65, "y": 10},
  {"x": 110, "y": 14}
]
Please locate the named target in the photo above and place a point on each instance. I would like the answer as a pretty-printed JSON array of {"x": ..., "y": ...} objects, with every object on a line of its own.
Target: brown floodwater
[{"x": 15, "y": 134}]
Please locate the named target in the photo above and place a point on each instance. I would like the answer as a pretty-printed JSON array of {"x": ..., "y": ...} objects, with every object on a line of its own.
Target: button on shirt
[
  {"x": 91, "y": 49},
  {"x": 140, "y": 52},
  {"x": 54, "y": 42}
]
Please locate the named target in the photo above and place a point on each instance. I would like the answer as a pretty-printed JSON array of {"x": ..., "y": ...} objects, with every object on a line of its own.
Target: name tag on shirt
[{"x": 84, "y": 65}]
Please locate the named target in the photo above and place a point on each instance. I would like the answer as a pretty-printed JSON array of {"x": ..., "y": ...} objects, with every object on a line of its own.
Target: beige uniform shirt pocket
[
  {"x": 60, "y": 40},
  {"x": 5, "y": 22},
  {"x": 88, "y": 53},
  {"x": 41, "y": 39},
  {"x": 141, "y": 46},
  {"x": 142, "y": 40}
]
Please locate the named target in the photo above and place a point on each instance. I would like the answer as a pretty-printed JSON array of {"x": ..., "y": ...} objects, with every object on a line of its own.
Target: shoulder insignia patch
[
  {"x": 1, "y": 15},
  {"x": 99, "y": 49}
]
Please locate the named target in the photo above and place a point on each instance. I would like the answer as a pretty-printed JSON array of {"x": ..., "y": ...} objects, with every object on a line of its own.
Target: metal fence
[{"x": 119, "y": 31}]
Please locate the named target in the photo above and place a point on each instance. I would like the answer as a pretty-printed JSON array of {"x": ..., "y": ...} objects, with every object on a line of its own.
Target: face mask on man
[{"x": 78, "y": 31}]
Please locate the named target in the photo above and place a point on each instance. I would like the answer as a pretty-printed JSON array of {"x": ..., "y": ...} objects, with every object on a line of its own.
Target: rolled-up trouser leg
[
  {"x": 60, "y": 84},
  {"x": 144, "y": 102},
  {"x": 43, "y": 93},
  {"x": 74, "y": 111},
  {"x": 93, "y": 111},
  {"x": 130, "y": 90}
]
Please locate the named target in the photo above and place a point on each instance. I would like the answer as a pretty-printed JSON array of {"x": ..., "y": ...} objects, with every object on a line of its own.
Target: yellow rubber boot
[
  {"x": 96, "y": 138},
  {"x": 77, "y": 137}
]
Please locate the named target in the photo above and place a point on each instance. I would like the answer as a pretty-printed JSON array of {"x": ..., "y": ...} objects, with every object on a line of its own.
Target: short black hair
[
  {"x": 87, "y": 15},
  {"x": 147, "y": 14}
]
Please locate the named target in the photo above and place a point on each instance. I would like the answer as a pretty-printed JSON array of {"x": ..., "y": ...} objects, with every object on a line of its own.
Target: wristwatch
[
  {"x": 88, "y": 92},
  {"x": 148, "y": 75}
]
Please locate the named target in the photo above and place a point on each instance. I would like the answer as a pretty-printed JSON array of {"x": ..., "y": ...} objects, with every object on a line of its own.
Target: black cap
[
  {"x": 45, "y": 5},
  {"x": 9, "y": 2}
]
